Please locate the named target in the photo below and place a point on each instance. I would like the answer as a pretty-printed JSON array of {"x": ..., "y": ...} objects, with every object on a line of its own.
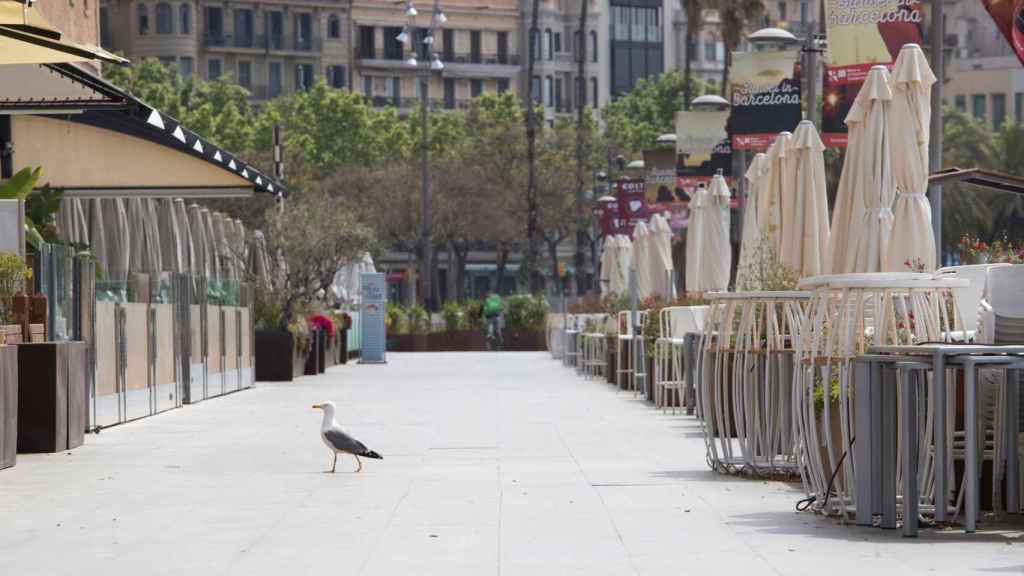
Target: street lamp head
[
  {"x": 412, "y": 61},
  {"x": 410, "y": 10},
  {"x": 403, "y": 37},
  {"x": 436, "y": 64},
  {"x": 428, "y": 40},
  {"x": 441, "y": 18}
]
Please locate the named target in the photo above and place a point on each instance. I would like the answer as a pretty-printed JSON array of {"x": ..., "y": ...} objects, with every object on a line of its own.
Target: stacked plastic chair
[{"x": 746, "y": 390}]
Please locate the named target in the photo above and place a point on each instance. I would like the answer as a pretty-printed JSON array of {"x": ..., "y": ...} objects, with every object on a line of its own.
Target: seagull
[{"x": 337, "y": 441}]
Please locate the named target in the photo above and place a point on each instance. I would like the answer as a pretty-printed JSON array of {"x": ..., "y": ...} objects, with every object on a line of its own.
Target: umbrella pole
[{"x": 937, "y": 34}]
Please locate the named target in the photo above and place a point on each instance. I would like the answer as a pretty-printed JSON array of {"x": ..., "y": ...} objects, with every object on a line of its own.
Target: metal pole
[
  {"x": 278, "y": 164},
  {"x": 938, "y": 33},
  {"x": 428, "y": 294},
  {"x": 811, "y": 49}
]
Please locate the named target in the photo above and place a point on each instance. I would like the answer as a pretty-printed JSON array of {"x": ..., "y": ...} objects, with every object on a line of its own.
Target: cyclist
[{"x": 493, "y": 308}]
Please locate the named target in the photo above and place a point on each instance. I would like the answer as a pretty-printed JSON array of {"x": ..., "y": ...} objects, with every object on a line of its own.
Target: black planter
[
  {"x": 51, "y": 396},
  {"x": 343, "y": 346},
  {"x": 316, "y": 362},
  {"x": 276, "y": 359},
  {"x": 8, "y": 405}
]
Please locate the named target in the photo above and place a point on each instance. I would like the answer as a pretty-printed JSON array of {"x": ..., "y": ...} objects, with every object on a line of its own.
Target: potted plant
[
  {"x": 323, "y": 334},
  {"x": 13, "y": 275},
  {"x": 525, "y": 319},
  {"x": 419, "y": 327}
]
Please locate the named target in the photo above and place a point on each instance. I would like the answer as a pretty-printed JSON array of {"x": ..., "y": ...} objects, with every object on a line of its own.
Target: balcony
[
  {"x": 261, "y": 43},
  {"x": 484, "y": 59}
]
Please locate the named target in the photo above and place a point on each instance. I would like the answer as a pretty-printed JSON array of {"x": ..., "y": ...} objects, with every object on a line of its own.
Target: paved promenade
[{"x": 493, "y": 464}]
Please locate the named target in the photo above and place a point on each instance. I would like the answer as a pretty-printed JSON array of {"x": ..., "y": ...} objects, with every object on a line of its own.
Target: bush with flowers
[{"x": 973, "y": 250}]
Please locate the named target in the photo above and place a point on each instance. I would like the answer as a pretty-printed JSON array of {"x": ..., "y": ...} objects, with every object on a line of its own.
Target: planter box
[
  {"x": 524, "y": 341},
  {"x": 277, "y": 359},
  {"x": 10, "y": 334},
  {"x": 8, "y": 405},
  {"x": 457, "y": 341},
  {"x": 316, "y": 361},
  {"x": 408, "y": 343},
  {"x": 343, "y": 346},
  {"x": 610, "y": 360},
  {"x": 51, "y": 396}
]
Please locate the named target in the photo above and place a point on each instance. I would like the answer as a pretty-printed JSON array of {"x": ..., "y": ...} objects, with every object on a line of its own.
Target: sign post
[{"x": 374, "y": 297}]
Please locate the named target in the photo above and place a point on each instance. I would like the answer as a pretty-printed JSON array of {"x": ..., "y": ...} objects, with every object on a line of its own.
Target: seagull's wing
[{"x": 343, "y": 442}]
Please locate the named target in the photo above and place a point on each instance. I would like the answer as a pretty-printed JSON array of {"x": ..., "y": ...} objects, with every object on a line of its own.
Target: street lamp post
[{"x": 424, "y": 66}]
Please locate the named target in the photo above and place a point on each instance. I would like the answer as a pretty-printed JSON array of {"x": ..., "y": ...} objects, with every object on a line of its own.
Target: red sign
[
  {"x": 631, "y": 203},
  {"x": 1009, "y": 18}
]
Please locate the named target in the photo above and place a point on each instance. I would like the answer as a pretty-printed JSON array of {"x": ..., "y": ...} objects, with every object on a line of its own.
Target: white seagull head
[{"x": 327, "y": 407}]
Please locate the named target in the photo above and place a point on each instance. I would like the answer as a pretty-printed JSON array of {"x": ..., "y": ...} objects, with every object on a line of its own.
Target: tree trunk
[
  {"x": 502, "y": 262},
  {"x": 725, "y": 73},
  {"x": 553, "y": 255},
  {"x": 531, "y": 155},
  {"x": 461, "y": 255},
  {"x": 580, "y": 152}
]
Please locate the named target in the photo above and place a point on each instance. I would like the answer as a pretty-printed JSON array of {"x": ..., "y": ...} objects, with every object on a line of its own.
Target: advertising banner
[
  {"x": 1009, "y": 18},
  {"x": 699, "y": 133},
  {"x": 765, "y": 91},
  {"x": 631, "y": 203},
  {"x": 374, "y": 290},
  {"x": 660, "y": 175},
  {"x": 861, "y": 34}
]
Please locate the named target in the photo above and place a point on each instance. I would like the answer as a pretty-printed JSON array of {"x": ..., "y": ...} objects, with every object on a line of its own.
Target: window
[
  {"x": 549, "y": 44},
  {"x": 577, "y": 49},
  {"x": 418, "y": 45},
  {"x": 998, "y": 110},
  {"x": 395, "y": 90},
  {"x": 393, "y": 49},
  {"x": 366, "y": 41},
  {"x": 448, "y": 48},
  {"x": 549, "y": 91},
  {"x": 368, "y": 86},
  {"x": 803, "y": 12},
  {"x": 476, "y": 87},
  {"x": 502, "y": 47},
  {"x": 274, "y": 24},
  {"x": 333, "y": 26},
  {"x": 961, "y": 103},
  {"x": 474, "y": 47},
  {"x": 535, "y": 89},
  {"x": 213, "y": 69},
  {"x": 782, "y": 10},
  {"x": 558, "y": 94},
  {"x": 243, "y": 27},
  {"x": 143, "y": 17},
  {"x": 167, "y": 61},
  {"x": 245, "y": 73},
  {"x": 638, "y": 24},
  {"x": 274, "y": 79},
  {"x": 593, "y": 92},
  {"x": 535, "y": 47},
  {"x": 336, "y": 76},
  {"x": 709, "y": 49},
  {"x": 214, "y": 26},
  {"x": 558, "y": 42},
  {"x": 502, "y": 85},
  {"x": 186, "y": 66},
  {"x": 163, "y": 19},
  {"x": 304, "y": 32},
  {"x": 303, "y": 76},
  {"x": 449, "y": 93},
  {"x": 593, "y": 46},
  {"x": 621, "y": 22},
  {"x": 104, "y": 26},
  {"x": 185, "y": 16},
  {"x": 979, "y": 106},
  {"x": 1018, "y": 107}
]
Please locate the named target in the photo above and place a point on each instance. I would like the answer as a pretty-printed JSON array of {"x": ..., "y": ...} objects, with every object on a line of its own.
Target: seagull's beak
[{"x": 317, "y": 406}]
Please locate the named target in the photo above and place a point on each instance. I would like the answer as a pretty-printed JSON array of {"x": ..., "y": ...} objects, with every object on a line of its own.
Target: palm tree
[
  {"x": 694, "y": 10},
  {"x": 734, "y": 16}
]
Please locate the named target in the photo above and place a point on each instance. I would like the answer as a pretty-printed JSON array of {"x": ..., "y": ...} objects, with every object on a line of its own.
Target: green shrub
[
  {"x": 395, "y": 319},
  {"x": 419, "y": 319},
  {"x": 454, "y": 317},
  {"x": 525, "y": 312},
  {"x": 473, "y": 311}
]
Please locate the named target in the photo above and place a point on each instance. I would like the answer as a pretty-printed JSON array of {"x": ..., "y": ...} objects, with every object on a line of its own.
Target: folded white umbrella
[
  {"x": 260, "y": 267},
  {"x": 197, "y": 226},
  {"x": 170, "y": 240},
  {"x": 641, "y": 260},
  {"x": 717, "y": 258},
  {"x": 862, "y": 218},
  {"x": 608, "y": 257},
  {"x": 913, "y": 240},
  {"x": 188, "y": 250},
  {"x": 118, "y": 236},
  {"x": 770, "y": 213},
  {"x": 216, "y": 271},
  {"x": 623, "y": 258},
  {"x": 661, "y": 255},
  {"x": 98, "y": 235},
  {"x": 805, "y": 226},
  {"x": 695, "y": 238},
  {"x": 746, "y": 277}
]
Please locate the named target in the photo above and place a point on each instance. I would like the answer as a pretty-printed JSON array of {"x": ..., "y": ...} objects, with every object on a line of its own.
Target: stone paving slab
[{"x": 494, "y": 464}]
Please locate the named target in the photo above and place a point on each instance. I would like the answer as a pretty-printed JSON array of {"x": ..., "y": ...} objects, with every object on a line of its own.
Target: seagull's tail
[{"x": 372, "y": 454}]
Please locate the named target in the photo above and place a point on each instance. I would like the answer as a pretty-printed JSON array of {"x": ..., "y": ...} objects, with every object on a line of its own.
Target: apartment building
[
  {"x": 984, "y": 78},
  {"x": 477, "y": 44},
  {"x": 271, "y": 48}
]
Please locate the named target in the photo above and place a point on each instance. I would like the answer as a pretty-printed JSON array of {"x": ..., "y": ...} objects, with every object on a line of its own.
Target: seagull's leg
[
  {"x": 335, "y": 464},
  {"x": 360, "y": 462}
]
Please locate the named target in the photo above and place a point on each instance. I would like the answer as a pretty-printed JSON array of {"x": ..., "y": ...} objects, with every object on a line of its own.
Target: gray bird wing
[{"x": 343, "y": 442}]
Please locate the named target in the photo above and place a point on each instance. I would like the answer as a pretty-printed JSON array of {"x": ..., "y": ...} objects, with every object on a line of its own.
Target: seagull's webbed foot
[
  {"x": 335, "y": 463},
  {"x": 360, "y": 463}
]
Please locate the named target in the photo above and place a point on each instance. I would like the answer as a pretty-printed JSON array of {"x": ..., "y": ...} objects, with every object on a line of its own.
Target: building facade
[{"x": 270, "y": 48}]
